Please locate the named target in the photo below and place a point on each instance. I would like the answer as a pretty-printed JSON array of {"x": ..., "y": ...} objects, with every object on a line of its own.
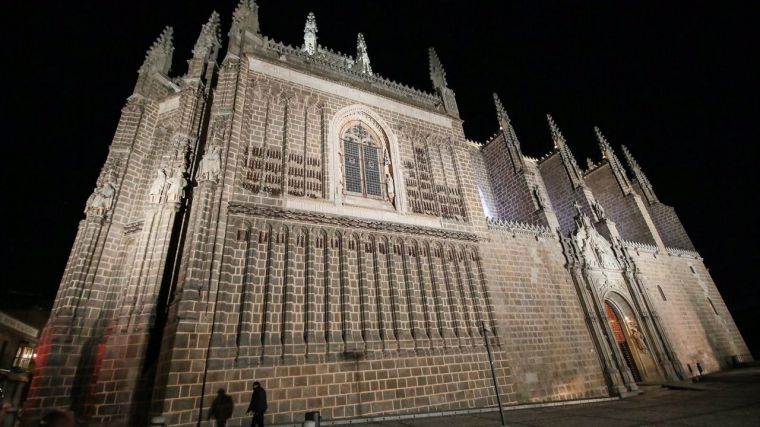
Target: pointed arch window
[{"x": 363, "y": 161}]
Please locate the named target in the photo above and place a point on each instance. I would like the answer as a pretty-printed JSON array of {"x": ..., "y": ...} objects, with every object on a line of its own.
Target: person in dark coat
[
  {"x": 258, "y": 405},
  {"x": 221, "y": 408}
]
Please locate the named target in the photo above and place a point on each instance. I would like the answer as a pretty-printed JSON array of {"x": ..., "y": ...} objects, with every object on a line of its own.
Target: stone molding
[
  {"x": 518, "y": 227},
  {"x": 686, "y": 253},
  {"x": 270, "y": 212},
  {"x": 337, "y": 62},
  {"x": 641, "y": 247}
]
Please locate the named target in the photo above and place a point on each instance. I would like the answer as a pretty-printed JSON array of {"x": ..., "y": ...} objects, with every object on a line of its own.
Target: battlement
[{"x": 340, "y": 65}]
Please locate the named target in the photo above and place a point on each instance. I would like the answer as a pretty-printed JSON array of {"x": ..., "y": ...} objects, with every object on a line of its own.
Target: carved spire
[
  {"x": 209, "y": 39},
  {"x": 159, "y": 55},
  {"x": 362, "y": 57},
  {"x": 437, "y": 73},
  {"x": 617, "y": 168},
  {"x": 245, "y": 19},
  {"x": 438, "y": 76},
  {"x": 205, "y": 50},
  {"x": 310, "y": 34},
  {"x": 510, "y": 137},
  {"x": 568, "y": 159},
  {"x": 646, "y": 186}
]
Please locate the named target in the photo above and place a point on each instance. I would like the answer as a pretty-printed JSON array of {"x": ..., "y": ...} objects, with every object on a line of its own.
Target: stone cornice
[{"x": 270, "y": 212}]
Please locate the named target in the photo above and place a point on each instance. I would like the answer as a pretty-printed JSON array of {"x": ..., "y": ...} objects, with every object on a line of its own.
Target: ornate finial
[
  {"x": 362, "y": 57},
  {"x": 310, "y": 34},
  {"x": 646, "y": 186},
  {"x": 557, "y": 136},
  {"x": 437, "y": 73},
  {"x": 159, "y": 56},
  {"x": 209, "y": 38},
  {"x": 617, "y": 168},
  {"x": 245, "y": 16},
  {"x": 501, "y": 114},
  {"x": 438, "y": 76},
  {"x": 513, "y": 144},
  {"x": 589, "y": 163},
  {"x": 567, "y": 156}
]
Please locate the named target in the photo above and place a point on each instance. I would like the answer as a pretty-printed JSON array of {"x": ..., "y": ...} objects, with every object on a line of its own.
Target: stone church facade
[{"x": 283, "y": 214}]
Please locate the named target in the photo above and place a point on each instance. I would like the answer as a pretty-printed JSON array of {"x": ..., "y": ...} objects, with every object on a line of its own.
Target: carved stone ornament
[
  {"x": 599, "y": 211},
  {"x": 638, "y": 337},
  {"x": 158, "y": 187},
  {"x": 540, "y": 199},
  {"x": 177, "y": 185},
  {"x": 101, "y": 200},
  {"x": 271, "y": 212},
  {"x": 210, "y": 165},
  {"x": 594, "y": 248}
]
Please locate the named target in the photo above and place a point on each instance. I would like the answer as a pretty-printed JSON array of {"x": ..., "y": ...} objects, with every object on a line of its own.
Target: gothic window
[{"x": 363, "y": 155}]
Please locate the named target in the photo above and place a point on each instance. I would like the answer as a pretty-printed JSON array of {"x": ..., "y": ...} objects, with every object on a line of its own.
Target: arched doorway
[{"x": 618, "y": 332}]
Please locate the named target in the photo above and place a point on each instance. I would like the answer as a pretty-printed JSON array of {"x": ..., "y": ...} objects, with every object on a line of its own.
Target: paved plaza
[{"x": 729, "y": 398}]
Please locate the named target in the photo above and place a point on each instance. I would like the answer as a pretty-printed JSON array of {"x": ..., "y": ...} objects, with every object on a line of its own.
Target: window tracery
[{"x": 364, "y": 158}]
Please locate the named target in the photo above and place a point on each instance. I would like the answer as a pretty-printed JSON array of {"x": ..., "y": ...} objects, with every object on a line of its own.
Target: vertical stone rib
[
  {"x": 470, "y": 314},
  {"x": 367, "y": 290},
  {"x": 458, "y": 310},
  {"x": 414, "y": 299},
  {"x": 402, "y": 324},
  {"x": 334, "y": 313},
  {"x": 273, "y": 299},
  {"x": 350, "y": 273},
  {"x": 315, "y": 292},
  {"x": 444, "y": 306},
  {"x": 385, "y": 294},
  {"x": 292, "y": 333},
  {"x": 426, "y": 287}
]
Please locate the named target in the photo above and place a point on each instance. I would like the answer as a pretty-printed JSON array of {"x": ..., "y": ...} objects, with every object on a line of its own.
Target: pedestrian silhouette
[
  {"x": 221, "y": 408},
  {"x": 258, "y": 405}
]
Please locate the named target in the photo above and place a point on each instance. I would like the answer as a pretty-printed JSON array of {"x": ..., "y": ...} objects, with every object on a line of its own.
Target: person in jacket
[
  {"x": 221, "y": 408},
  {"x": 258, "y": 405}
]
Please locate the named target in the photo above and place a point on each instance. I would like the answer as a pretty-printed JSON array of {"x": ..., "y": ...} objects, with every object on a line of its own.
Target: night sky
[{"x": 675, "y": 83}]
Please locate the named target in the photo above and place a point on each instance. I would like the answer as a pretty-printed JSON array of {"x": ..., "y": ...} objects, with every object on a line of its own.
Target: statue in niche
[
  {"x": 539, "y": 197},
  {"x": 181, "y": 147},
  {"x": 158, "y": 186},
  {"x": 599, "y": 211},
  {"x": 390, "y": 189},
  {"x": 210, "y": 164},
  {"x": 101, "y": 199},
  {"x": 177, "y": 185},
  {"x": 341, "y": 163},
  {"x": 638, "y": 338}
]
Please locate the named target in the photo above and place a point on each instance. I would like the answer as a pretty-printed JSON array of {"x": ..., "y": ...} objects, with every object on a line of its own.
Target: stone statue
[
  {"x": 101, "y": 199},
  {"x": 539, "y": 197},
  {"x": 599, "y": 211},
  {"x": 157, "y": 188},
  {"x": 341, "y": 187},
  {"x": 177, "y": 185},
  {"x": 390, "y": 187},
  {"x": 638, "y": 338},
  {"x": 210, "y": 164}
]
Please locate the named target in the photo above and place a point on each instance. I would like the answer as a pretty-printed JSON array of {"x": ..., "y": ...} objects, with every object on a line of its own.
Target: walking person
[
  {"x": 221, "y": 408},
  {"x": 258, "y": 405}
]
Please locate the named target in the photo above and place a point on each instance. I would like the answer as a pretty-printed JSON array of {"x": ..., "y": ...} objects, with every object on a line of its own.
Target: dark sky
[{"x": 676, "y": 83}]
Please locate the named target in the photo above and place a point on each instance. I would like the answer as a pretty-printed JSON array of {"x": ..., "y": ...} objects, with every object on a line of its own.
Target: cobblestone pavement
[{"x": 730, "y": 398}]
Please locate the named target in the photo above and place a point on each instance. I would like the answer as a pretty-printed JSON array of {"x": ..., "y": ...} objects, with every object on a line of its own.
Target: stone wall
[
  {"x": 541, "y": 324},
  {"x": 623, "y": 209},
  {"x": 684, "y": 295}
]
